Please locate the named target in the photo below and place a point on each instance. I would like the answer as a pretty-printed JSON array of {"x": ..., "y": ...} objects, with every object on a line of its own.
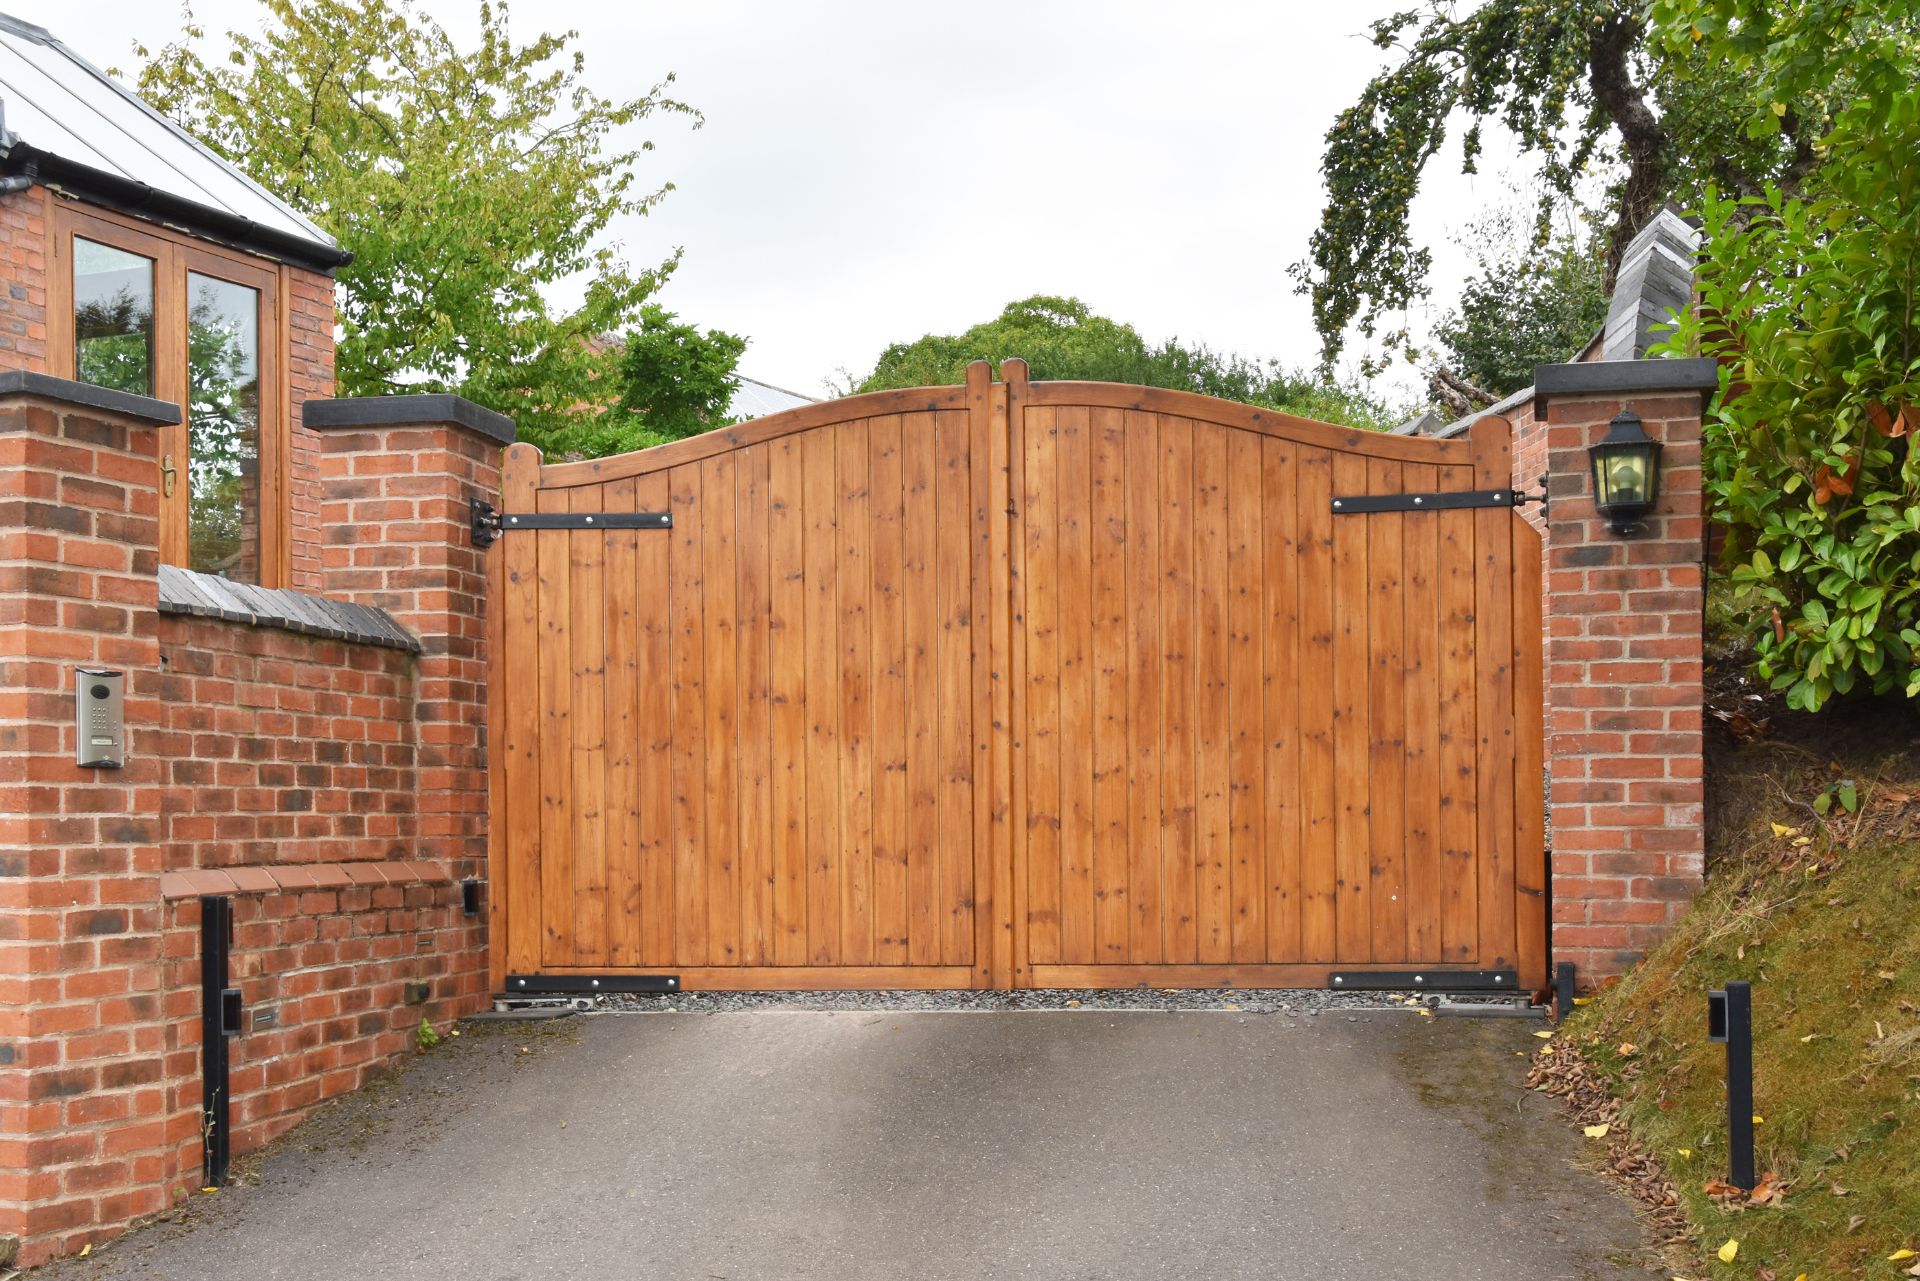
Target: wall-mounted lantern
[{"x": 1626, "y": 474}]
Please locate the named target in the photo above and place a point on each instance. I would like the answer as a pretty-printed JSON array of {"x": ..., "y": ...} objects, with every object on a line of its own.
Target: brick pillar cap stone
[
  {"x": 26, "y": 384},
  {"x": 407, "y": 411},
  {"x": 1620, "y": 378}
]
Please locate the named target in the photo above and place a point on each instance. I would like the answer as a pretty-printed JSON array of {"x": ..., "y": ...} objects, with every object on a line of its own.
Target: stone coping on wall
[
  {"x": 185, "y": 591},
  {"x": 428, "y": 409},
  {"x": 283, "y": 877},
  {"x": 26, "y": 382}
]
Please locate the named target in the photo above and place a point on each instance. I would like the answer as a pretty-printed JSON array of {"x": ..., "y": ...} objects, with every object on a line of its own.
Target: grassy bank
[{"x": 1818, "y": 906}]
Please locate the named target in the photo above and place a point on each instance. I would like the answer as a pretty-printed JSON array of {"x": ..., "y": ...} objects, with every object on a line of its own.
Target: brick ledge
[{"x": 297, "y": 876}]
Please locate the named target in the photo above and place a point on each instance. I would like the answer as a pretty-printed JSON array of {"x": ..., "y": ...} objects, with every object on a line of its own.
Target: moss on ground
[{"x": 1822, "y": 916}]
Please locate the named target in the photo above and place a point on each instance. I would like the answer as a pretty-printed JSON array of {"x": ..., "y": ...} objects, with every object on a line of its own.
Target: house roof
[
  {"x": 755, "y": 399},
  {"x": 66, "y": 123}
]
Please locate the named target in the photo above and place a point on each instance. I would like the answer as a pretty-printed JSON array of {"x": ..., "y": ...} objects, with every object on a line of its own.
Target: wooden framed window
[{"x": 144, "y": 310}]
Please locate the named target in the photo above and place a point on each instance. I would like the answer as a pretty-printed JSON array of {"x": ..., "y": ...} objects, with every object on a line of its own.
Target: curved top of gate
[{"x": 976, "y": 392}]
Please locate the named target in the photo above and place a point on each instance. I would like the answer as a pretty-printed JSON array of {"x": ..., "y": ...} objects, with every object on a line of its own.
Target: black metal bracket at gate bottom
[
  {"x": 1423, "y": 981},
  {"x": 1362, "y": 504},
  {"x": 589, "y": 984}
]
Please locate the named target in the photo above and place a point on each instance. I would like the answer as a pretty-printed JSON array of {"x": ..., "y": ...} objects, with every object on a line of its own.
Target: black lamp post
[{"x": 1626, "y": 474}]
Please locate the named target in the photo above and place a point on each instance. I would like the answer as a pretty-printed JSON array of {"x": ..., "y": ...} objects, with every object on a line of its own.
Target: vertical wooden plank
[
  {"x": 556, "y": 735},
  {"x": 1279, "y": 481},
  {"x": 622, "y": 668},
  {"x": 1041, "y": 761},
  {"x": 824, "y": 859},
  {"x": 890, "y": 915},
  {"x": 1146, "y": 943},
  {"x": 1074, "y": 559},
  {"x": 996, "y": 435},
  {"x": 524, "y": 730},
  {"x": 653, "y": 594},
  {"x": 502, "y": 743},
  {"x": 855, "y": 574},
  {"x": 952, "y": 690},
  {"x": 755, "y": 714},
  {"x": 1319, "y": 858},
  {"x": 1425, "y": 881},
  {"x": 1178, "y": 782},
  {"x": 1529, "y": 764},
  {"x": 1108, "y": 530},
  {"x": 1246, "y": 664},
  {"x": 792, "y": 745},
  {"x": 926, "y": 697},
  {"x": 1493, "y": 691},
  {"x": 1351, "y": 668},
  {"x": 720, "y": 650},
  {"x": 1386, "y": 719},
  {"x": 687, "y": 641},
  {"x": 587, "y": 550},
  {"x": 1211, "y": 675},
  {"x": 1459, "y": 798}
]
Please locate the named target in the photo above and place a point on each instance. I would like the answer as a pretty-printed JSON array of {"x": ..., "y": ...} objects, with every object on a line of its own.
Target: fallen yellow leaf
[
  {"x": 209, "y": 1189},
  {"x": 1597, "y": 1131},
  {"x": 1628, "y": 1049},
  {"x": 1426, "y": 1014},
  {"x": 1808, "y": 1037},
  {"x": 1898, "y": 1255},
  {"x": 1686, "y": 1154},
  {"x": 1583, "y": 1000},
  {"x": 1729, "y": 1251},
  {"x": 1758, "y": 1119},
  {"x": 1781, "y": 829},
  {"x": 1545, "y": 1036},
  {"x": 86, "y": 1249}
]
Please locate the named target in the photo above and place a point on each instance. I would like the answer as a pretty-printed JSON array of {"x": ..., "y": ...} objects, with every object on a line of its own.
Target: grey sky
[{"x": 871, "y": 171}]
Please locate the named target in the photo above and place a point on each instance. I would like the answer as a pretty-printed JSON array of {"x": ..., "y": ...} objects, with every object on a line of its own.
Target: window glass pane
[
  {"x": 112, "y": 317},
  {"x": 223, "y": 427}
]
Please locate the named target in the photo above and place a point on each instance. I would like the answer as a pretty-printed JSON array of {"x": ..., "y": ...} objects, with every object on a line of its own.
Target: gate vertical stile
[
  {"x": 1013, "y": 376},
  {"x": 1531, "y": 873},
  {"x": 1492, "y": 442},
  {"x": 515, "y": 668}
]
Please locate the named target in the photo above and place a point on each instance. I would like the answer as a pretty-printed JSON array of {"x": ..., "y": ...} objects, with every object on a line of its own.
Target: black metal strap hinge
[
  {"x": 489, "y": 524},
  {"x": 1362, "y": 504}
]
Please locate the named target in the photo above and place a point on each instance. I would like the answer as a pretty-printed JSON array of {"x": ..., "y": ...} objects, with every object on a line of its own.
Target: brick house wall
[
  {"x": 306, "y": 320},
  {"x": 23, "y": 300}
]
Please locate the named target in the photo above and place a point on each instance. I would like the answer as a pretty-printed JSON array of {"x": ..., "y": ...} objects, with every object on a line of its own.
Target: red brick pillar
[
  {"x": 84, "y": 1140},
  {"x": 400, "y": 474},
  {"x": 1623, "y": 666}
]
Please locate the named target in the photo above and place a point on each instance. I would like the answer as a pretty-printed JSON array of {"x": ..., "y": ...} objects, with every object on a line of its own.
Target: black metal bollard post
[
  {"x": 1730, "y": 1020},
  {"x": 1562, "y": 990}
]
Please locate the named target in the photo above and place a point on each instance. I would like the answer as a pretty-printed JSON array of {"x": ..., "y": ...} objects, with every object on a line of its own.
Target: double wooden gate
[{"x": 1010, "y": 685}]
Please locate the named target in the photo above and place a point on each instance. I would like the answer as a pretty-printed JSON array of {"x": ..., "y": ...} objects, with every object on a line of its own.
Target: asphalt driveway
[{"x": 789, "y": 1144}]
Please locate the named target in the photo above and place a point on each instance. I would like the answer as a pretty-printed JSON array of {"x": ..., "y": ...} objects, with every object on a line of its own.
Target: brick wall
[
  {"x": 280, "y": 748},
  {"x": 1624, "y": 671},
  {"x": 83, "y": 1130},
  {"x": 334, "y": 789},
  {"x": 23, "y": 299}
]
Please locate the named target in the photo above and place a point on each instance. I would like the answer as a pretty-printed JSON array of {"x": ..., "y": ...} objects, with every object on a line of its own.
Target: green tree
[
  {"x": 1060, "y": 338},
  {"x": 1524, "y": 305},
  {"x": 670, "y": 380},
  {"x": 1579, "y": 87},
  {"x": 467, "y": 183},
  {"x": 1808, "y": 301}
]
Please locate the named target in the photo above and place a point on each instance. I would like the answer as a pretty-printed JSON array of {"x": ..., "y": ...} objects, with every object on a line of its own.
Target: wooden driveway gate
[{"x": 1012, "y": 685}]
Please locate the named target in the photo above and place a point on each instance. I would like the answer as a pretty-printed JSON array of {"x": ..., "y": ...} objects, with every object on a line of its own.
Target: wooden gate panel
[
  {"x": 742, "y": 749},
  {"x": 1269, "y": 739}
]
